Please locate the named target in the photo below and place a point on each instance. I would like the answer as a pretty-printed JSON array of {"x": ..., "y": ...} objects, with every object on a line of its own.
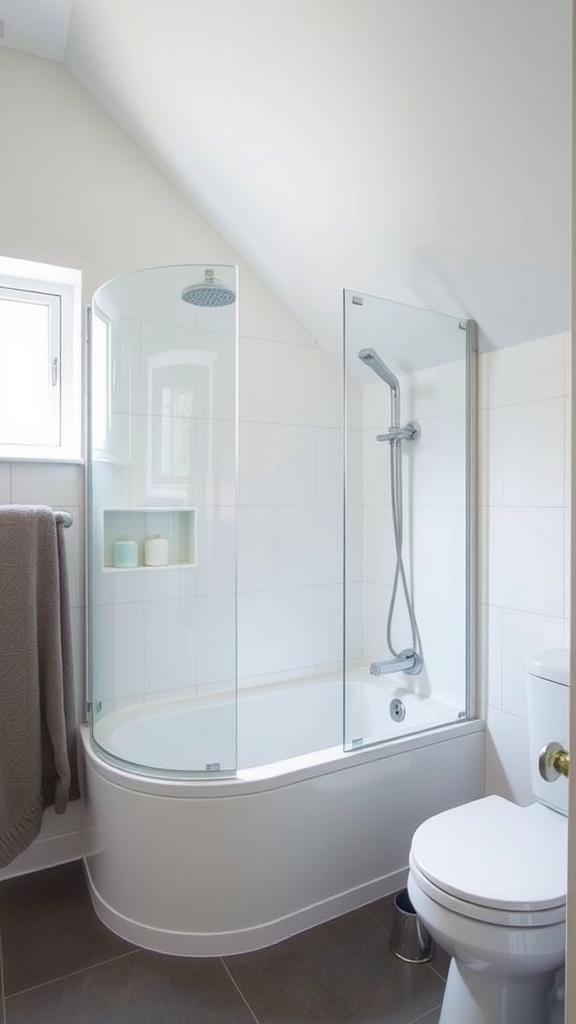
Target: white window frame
[{"x": 65, "y": 284}]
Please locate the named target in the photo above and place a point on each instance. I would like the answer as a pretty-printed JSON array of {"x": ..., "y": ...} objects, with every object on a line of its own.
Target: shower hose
[{"x": 400, "y": 580}]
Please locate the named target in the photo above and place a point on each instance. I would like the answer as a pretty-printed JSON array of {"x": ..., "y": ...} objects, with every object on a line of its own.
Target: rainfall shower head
[
  {"x": 371, "y": 358},
  {"x": 209, "y": 292}
]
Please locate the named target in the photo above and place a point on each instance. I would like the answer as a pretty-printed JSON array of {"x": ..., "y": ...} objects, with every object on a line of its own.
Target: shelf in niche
[{"x": 178, "y": 525}]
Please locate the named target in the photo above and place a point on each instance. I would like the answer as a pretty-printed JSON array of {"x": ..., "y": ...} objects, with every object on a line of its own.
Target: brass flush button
[{"x": 553, "y": 762}]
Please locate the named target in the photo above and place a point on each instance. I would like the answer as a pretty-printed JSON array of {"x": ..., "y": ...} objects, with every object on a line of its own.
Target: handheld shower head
[{"x": 371, "y": 358}]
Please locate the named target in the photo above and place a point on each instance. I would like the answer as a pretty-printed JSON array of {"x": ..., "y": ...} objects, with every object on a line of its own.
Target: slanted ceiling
[{"x": 414, "y": 149}]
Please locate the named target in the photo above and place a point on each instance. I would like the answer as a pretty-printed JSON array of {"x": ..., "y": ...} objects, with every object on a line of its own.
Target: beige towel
[{"x": 37, "y": 716}]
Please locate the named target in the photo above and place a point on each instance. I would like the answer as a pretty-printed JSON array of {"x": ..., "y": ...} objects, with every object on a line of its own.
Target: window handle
[{"x": 54, "y": 372}]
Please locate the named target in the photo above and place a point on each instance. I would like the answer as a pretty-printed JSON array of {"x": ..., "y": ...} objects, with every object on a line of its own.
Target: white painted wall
[{"x": 524, "y": 539}]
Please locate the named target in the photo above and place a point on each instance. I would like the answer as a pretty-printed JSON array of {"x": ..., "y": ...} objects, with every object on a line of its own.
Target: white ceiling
[{"x": 413, "y": 149}]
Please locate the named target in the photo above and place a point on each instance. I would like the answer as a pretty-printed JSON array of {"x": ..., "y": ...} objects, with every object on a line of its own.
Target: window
[{"x": 40, "y": 362}]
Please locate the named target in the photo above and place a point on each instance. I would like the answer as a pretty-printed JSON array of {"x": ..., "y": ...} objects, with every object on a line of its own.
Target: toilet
[{"x": 488, "y": 879}]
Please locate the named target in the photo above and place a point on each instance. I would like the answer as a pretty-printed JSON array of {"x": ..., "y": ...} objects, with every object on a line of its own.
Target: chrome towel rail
[{"x": 64, "y": 517}]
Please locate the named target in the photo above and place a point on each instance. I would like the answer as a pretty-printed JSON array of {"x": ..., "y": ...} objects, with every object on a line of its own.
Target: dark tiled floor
[{"x": 60, "y": 965}]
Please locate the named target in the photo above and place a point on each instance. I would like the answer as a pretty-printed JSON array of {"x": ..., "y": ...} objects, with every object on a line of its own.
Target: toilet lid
[{"x": 495, "y": 854}]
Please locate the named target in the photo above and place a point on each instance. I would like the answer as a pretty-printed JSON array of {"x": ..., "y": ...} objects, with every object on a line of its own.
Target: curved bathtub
[{"x": 216, "y": 866}]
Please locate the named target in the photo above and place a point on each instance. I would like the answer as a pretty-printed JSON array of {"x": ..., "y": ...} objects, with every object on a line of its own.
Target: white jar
[{"x": 156, "y": 550}]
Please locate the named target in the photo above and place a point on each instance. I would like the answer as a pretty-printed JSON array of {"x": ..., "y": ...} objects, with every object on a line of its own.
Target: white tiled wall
[
  {"x": 290, "y": 524},
  {"x": 171, "y": 631},
  {"x": 524, "y": 545},
  {"x": 434, "y": 542}
]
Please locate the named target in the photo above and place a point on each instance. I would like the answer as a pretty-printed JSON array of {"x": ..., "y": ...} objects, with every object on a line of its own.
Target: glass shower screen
[
  {"x": 409, "y": 580},
  {"x": 162, "y": 515}
]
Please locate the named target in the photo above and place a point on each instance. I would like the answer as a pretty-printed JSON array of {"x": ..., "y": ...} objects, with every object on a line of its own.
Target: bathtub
[{"x": 213, "y": 866}]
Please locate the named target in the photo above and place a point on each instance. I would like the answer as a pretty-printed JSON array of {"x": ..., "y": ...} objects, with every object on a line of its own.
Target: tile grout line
[
  {"x": 437, "y": 972},
  {"x": 72, "y": 974},
  {"x": 424, "y": 1015},
  {"x": 239, "y": 990}
]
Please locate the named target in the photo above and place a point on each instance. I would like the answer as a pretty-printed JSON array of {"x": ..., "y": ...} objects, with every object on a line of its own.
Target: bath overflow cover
[{"x": 397, "y": 710}]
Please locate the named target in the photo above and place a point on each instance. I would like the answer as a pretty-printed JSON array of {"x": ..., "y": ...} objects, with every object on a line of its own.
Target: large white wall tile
[
  {"x": 354, "y": 538},
  {"x": 297, "y": 648},
  {"x": 258, "y": 380},
  {"x": 440, "y": 390},
  {"x": 216, "y": 550},
  {"x": 354, "y": 404},
  {"x": 379, "y": 555},
  {"x": 329, "y": 626},
  {"x": 257, "y": 461},
  {"x": 257, "y": 547},
  {"x": 377, "y": 411},
  {"x": 435, "y": 464},
  {"x": 213, "y": 464},
  {"x": 170, "y": 645},
  {"x": 118, "y": 586},
  {"x": 127, "y": 393},
  {"x": 533, "y": 459},
  {"x": 524, "y": 373},
  {"x": 376, "y": 469},
  {"x": 161, "y": 584},
  {"x": 118, "y": 646},
  {"x": 216, "y": 638},
  {"x": 297, "y": 385},
  {"x": 277, "y": 464},
  {"x": 258, "y": 634},
  {"x": 526, "y": 559},
  {"x": 523, "y": 636},
  {"x": 354, "y": 624},
  {"x": 439, "y": 554},
  {"x": 330, "y": 463},
  {"x": 507, "y": 757},
  {"x": 310, "y": 545},
  {"x": 330, "y": 391}
]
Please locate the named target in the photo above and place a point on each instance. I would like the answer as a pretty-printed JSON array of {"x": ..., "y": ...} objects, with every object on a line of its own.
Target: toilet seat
[{"x": 493, "y": 861}]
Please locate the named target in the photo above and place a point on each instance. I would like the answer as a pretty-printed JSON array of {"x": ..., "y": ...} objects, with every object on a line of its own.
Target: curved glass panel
[
  {"x": 162, "y": 519},
  {"x": 408, "y": 567}
]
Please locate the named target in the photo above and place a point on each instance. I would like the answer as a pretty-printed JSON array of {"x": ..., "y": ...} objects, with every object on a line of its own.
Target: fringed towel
[{"x": 37, "y": 715}]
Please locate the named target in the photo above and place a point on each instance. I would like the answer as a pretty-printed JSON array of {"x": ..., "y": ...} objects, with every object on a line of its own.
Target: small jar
[
  {"x": 125, "y": 554},
  {"x": 156, "y": 550}
]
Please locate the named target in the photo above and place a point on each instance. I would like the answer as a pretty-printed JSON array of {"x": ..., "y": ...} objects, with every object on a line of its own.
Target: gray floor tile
[
  {"x": 139, "y": 988},
  {"x": 339, "y": 972},
  {"x": 383, "y": 911},
  {"x": 49, "y": 929}
]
